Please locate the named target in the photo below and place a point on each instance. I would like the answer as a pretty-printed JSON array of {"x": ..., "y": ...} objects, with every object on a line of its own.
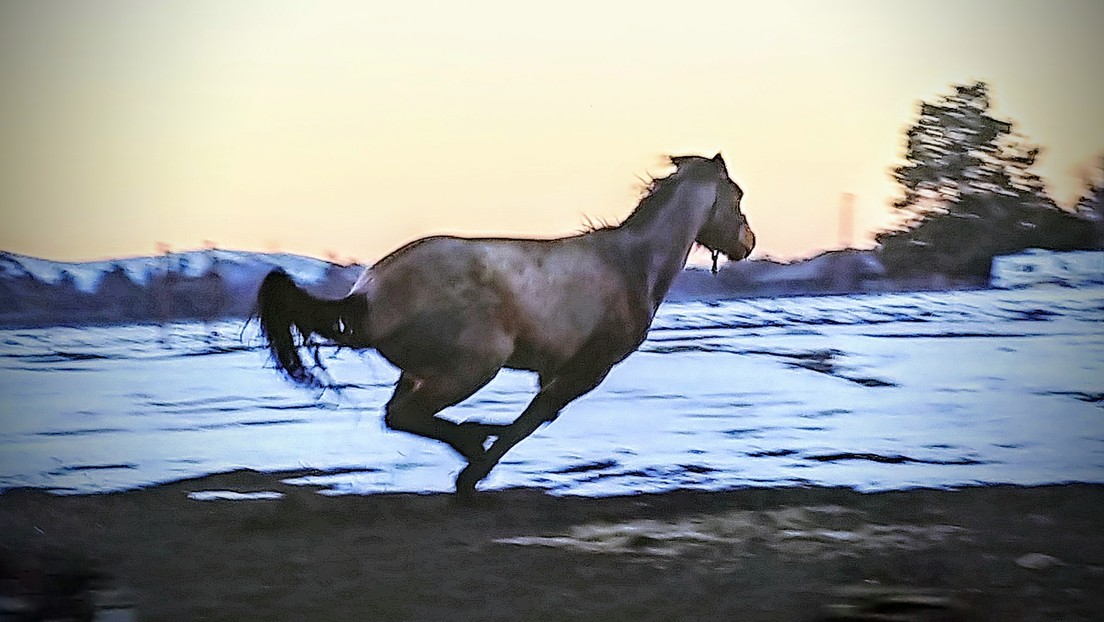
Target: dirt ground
[{"x": 985, "y": 553}]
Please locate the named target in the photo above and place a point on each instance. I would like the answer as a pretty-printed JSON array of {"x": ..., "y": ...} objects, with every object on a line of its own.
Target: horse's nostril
[{"x": 747, "y": 239}]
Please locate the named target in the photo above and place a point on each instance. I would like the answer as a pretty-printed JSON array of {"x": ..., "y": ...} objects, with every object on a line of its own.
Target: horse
[{"x": 450, "y": 312}]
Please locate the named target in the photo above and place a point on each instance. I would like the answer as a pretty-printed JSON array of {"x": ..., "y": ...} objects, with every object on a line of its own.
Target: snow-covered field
[{"x": 871, "y": 392}]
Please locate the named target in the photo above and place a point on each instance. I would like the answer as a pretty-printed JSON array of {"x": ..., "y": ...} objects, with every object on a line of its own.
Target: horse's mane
[{"x": 655, "y": 193}]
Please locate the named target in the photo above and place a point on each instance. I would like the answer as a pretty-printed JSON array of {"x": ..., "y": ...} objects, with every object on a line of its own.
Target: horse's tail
[{"x": 290, "y": 317}]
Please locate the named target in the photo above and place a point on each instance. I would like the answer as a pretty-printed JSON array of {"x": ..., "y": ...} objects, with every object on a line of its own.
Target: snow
[{"x": 872, "y": 392}]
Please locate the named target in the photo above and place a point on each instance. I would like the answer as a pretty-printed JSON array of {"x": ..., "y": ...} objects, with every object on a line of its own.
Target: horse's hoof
[
  {"x": 479, "y": 435},
  {"x": 466, "y": 498},
  {"x": 466, "y": 481}
]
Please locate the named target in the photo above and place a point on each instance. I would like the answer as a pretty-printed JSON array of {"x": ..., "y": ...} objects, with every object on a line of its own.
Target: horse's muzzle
[{"x": 746, "y": 243}]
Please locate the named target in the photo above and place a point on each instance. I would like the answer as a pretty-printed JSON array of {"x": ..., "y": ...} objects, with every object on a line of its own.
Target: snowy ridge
[
  {"x": 1032, "y": 268},
  {"x": 230, "y": 264}
]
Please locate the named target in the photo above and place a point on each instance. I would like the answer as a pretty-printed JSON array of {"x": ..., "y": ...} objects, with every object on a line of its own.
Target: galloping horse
[{"x": 451, "y": 312}]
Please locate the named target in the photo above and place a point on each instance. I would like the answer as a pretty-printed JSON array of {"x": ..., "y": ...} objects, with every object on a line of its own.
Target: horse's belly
[
  {"x": 541, "y": 350},
  {"x": 550, "y": 342},
  {"x": 528, "y": 361}
]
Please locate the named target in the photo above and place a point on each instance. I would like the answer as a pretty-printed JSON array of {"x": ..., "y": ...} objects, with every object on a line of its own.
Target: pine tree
[
  {"x": 956, "y": 149},
  {"x": 1091, "y": 205},
  {"x": 969, "y": 193}
]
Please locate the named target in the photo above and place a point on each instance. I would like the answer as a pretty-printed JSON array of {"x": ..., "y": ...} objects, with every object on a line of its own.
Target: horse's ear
[{"x": 720, "y": 161}]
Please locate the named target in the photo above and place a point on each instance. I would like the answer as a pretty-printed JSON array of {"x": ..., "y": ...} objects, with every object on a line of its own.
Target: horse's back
[{"x": 531, "y": 303}]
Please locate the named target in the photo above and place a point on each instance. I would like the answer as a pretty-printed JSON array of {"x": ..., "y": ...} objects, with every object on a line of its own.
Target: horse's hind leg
[
  {"x": 555, "y": 393},
  {"x": 417, "y": 400}
]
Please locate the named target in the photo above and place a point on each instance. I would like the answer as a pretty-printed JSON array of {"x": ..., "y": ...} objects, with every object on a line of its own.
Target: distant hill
[
  {"x": 194, "y": 285},
  {"x": 215, "y": 284}
]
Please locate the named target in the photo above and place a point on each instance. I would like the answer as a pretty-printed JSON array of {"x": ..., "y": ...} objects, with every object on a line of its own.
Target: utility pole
[{"x": 846, "y": 219}]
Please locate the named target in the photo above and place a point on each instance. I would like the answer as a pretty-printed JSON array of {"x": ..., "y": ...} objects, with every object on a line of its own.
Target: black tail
[{"x": 290, "y": 319}]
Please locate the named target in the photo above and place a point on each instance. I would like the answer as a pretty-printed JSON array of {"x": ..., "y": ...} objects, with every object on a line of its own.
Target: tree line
[{"x": 969, "y": 193}]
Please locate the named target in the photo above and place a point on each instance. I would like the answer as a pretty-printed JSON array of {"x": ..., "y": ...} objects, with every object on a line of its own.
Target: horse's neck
[{"x": 667, "y": 234}]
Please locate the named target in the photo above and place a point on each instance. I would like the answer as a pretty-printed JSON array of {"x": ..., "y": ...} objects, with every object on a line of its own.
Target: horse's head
[{"x": 726, "y": 231}]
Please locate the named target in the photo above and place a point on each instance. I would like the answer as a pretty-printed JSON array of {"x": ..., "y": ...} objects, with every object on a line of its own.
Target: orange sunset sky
[{"x": 353, "y": 127}]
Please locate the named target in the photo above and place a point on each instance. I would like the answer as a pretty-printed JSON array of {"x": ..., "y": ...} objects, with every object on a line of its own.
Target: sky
[{"x": 345, "y": 129}]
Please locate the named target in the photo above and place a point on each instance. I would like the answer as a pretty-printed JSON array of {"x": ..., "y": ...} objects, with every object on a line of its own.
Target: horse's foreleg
[
  {"x": 484, "y": 430},
  {"x": 556, "y": 393}
]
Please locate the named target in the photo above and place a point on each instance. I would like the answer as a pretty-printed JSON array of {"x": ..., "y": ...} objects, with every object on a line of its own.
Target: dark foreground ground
[{"x": 993, "y": 553}]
